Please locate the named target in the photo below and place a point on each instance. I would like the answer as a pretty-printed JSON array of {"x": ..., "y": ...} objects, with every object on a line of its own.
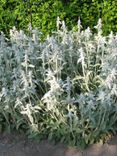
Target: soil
[{"x": 17, "y": 145}]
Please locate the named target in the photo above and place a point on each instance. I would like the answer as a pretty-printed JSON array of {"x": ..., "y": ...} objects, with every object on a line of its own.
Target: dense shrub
[
  {"x": 63, "y": 89},
  {"x": 43, "y": 14}
]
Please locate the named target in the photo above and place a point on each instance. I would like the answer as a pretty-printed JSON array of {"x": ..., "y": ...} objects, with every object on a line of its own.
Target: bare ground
[{"x": 16, "y": 145}]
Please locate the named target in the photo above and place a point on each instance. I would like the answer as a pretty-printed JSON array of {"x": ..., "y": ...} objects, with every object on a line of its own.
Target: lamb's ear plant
[{"x": 64, "y": 88}]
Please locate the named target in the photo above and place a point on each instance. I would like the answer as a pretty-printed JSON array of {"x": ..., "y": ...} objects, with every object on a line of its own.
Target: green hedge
[{"x": 43, "y": 14}]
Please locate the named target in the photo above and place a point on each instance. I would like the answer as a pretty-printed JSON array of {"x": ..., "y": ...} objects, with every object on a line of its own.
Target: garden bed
[{"x": 63, "y": 89}]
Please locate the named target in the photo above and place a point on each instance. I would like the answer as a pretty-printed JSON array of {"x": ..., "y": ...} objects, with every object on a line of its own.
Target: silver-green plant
[{"x": 64, "y": 88}]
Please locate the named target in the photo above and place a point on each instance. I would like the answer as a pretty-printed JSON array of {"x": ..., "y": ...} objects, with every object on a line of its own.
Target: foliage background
[{"x": 43, "y": 14}]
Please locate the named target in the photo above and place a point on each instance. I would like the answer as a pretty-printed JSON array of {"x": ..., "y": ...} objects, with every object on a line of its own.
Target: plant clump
[{"x": 63, "y": 89}]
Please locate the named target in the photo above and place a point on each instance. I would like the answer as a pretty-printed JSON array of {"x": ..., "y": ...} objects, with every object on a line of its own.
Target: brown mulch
[{"x": 16, "y": 145}]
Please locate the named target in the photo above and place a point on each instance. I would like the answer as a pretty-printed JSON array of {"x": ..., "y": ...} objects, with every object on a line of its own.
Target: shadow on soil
[{"x": 15, "y": 145}]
